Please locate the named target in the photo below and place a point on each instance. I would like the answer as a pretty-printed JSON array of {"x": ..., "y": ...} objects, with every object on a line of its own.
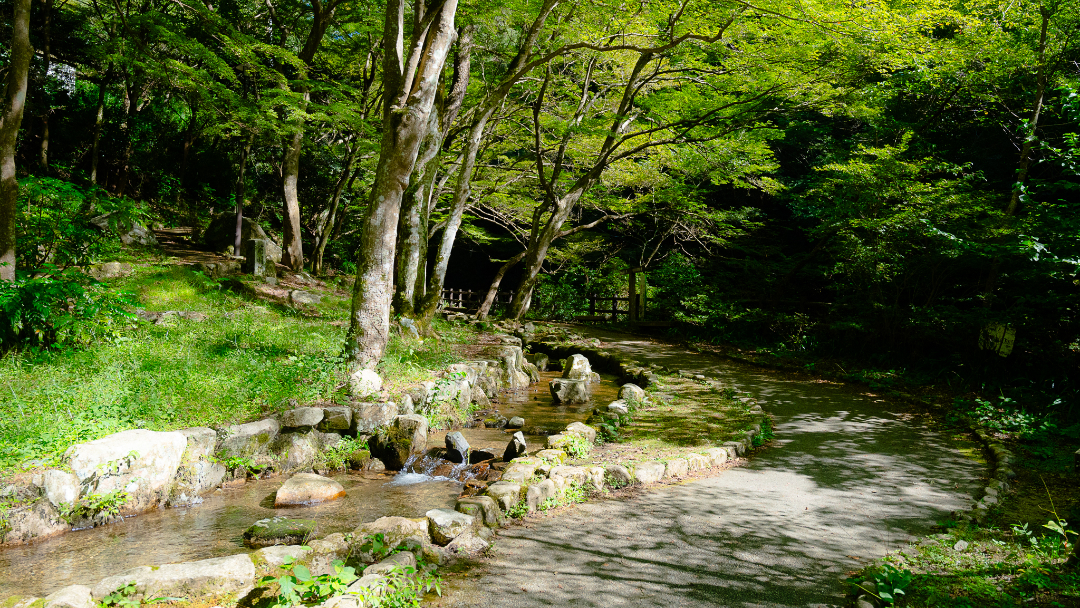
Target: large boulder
[
  {"x": 395, "y": 530},
  {"x": 251, "y": 439},
  {"x": 577, "y": 368},
  {"x": 570, "y": 391},
  {"x": 74, "y": 596},
  {"x": 278, "y": 531},
  {"x": 364, "y": 383},
  {"x": 457, "y": 449},
  {"x": 484, "y": 508},
  {"x": 60, "y": 487},
  {"x": 140, "y": 462},
  {"x": 336, "y": 418},
  {"x": 296, "y": 450},
  {"x": 221, "y": 233},
  {"x": 307, "y": 489},
  {"x": 632, "y": 392},
  {"x": 649, "y": 472},
  {"x": 369, "y": 417},
  {"x": 217, "y": 576},
  {"x": 405, "y": 437},
  {"x": 580, "y": 428},
  {"x": 446, "y": 524}
]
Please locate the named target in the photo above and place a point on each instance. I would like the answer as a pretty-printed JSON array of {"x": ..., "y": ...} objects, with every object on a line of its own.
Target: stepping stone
[{"x": 307, "y": 489}]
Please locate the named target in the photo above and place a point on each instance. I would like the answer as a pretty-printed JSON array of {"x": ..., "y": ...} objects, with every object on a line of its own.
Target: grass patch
[{"x": 246, "y": 360}]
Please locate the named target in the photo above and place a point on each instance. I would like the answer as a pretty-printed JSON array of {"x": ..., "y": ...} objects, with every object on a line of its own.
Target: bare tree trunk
[
  {"x": 239, "y": 191},
  {"x": 324, "y": 231},
  {"x": 489, "y": 299},
  {"x": 292, "y": 248},
  {"x": 14, "y": 103},
  {"x": 46, "y": 50},
  {"x": 185, "y": 153},
  {"x": 463, "y": 187},
  {"x": 540, "y": 239},
  {"x": 410, "y": 236},
  {"x": 409, "y": 99},
  {"x": 99, "y": 121}
]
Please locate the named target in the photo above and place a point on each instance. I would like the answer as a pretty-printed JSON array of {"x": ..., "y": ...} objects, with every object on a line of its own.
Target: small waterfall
[{"x": 421, "y": 468}]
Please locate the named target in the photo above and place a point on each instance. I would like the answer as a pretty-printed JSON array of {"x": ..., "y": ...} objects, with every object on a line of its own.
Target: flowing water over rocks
[
  {"x": 849, "y": 477},
  {"x": 215, "y": 528}
]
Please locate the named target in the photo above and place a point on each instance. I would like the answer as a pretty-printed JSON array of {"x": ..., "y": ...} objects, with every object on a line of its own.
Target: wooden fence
[{"x": 469, "y": 300}]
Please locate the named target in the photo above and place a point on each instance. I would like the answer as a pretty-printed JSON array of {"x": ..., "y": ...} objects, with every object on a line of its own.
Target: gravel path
[{"x": 848, "y": 478}]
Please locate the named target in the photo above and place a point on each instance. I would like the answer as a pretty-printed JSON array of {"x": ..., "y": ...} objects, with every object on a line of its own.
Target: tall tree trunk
[
  {"x": 239, "y": 191},
  {"x": 14, "y": 103},
  {"x": 131, "y": 101},
  {"x": 463, "y": 187},
  {"x": 326, "y": 228},
  {"x": 409, "y": 99},
  {"x": 540, "y": 239},
  {"x": 1024, "y": 166},
  {"x": 292, "y": 248},
  {"x": 411, "y": 231},
  {"x": 46, "y": 109},
  {"x": 99, "y": 121},
  {"x": 185, "y": 153}
]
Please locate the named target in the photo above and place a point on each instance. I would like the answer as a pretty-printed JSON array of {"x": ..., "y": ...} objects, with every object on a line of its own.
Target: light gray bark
[
  {"x": 99, "y": 121},
  {"x": 405, "y": 120},
  {"x": 14, "y": 102}
]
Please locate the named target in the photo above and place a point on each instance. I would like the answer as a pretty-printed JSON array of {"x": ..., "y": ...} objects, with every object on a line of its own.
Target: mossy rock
[
  {"x": 279, "y": 531},
  {"x": 358, "y": 459}
]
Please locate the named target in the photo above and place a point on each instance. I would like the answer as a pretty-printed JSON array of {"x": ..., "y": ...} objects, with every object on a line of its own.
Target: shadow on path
[{"x": 847, "y": 479}]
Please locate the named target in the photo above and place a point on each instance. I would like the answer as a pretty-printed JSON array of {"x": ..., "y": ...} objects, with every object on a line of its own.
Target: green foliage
[
  {"x": 572, "y": 494},
  {"x": 61, "y": 310},
  {"x": 518, "y": 511},
  {"x": 121, "y": 598},
  {"x": 576, "y": 446},
  {"x": 338, "y": 456},
  {"x": 891, "y": 583},
  {"x": 376, "y": 545},
  {"x": 53, "y": 227},
  {"x": 298, "y": 586},
  {"x": 107, "y": 505},
  {"x": 241, "y": 363},
  {"x": 766, "y": 435}
]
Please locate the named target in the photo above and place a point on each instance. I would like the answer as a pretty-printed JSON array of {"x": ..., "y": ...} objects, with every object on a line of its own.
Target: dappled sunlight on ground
[{"x": 847, "y": 480}]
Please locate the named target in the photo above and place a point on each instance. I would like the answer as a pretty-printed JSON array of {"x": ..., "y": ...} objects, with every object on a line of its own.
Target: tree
[
  {"x": 14, "y": 101},
  {"x": 410, "y": 85}
]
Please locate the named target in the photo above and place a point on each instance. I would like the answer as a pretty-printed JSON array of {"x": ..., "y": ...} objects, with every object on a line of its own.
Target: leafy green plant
[
  {"x": 63, "y": 309},
  {"x": 576, "y": 446},
  {"x": 518, "y": 511},
  {"x": 891, "y": 582},
  {"x": 338, "y": 456},
  {"x": 93, "y": 505},
  {"x": 121, "y": 597},
  {"x": 298, "y": 586},
  {"x": 376, "y": 545}
]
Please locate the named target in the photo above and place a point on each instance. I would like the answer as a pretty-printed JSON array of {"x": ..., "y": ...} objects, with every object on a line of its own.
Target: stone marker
[
  {"x": 307, "y": 489},
  {"x": 255, "y": 257}
]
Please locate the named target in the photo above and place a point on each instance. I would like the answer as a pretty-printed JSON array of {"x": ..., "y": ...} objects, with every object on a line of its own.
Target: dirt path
[{"x": 848, "y": 478}]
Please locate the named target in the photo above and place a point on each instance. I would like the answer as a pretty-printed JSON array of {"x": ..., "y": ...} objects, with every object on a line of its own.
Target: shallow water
[
  {"x": 214, "y": 528},
  {"x": 211, "y": 529}
]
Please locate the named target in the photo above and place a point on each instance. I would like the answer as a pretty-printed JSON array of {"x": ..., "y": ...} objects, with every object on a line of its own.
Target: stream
[{"x": 214, "y": 527}]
